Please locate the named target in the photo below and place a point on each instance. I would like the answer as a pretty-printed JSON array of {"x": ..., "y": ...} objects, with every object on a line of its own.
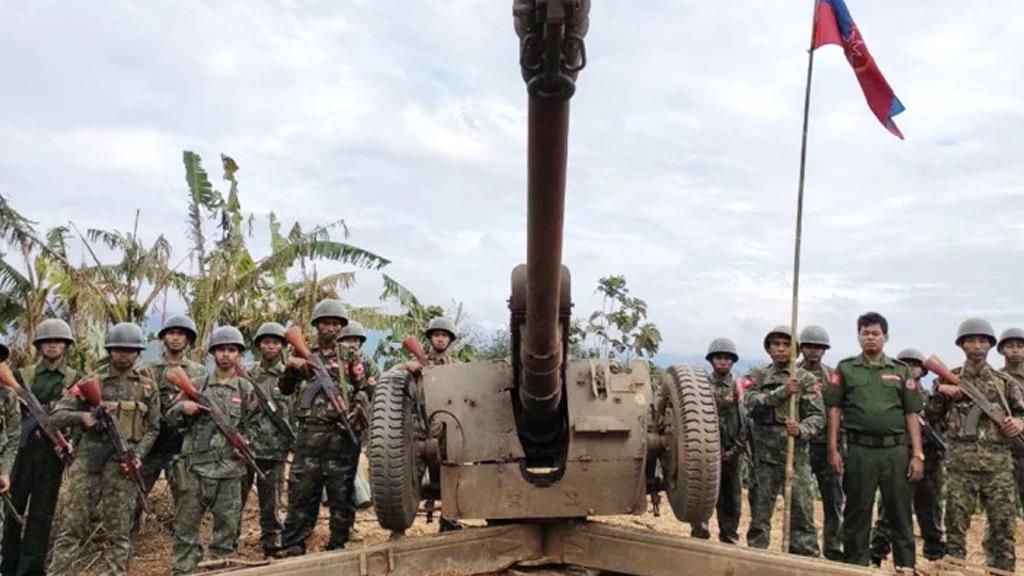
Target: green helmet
[
  {"x": 53, "y": 329},
  {"x": 5, "y": 352},
  {"x": 272, "y": 329},
  {"x": 125, "y": 335},
  {"x": 722, "y": 346},
  {"x": 181, "y": 322},
  {"x": 441, "y": 323},
  {"x": 816, "y": 335},
  {"x": 975, "y": 327},
  {"x": 780, "y": 330},
  {"x": 1009, "y": 334},
  {"x": 330, "y": 308},
  {"x": 353, "y": 329},
  {"x": 224, "y": 336},
  {"x": 912, "y": 354}
]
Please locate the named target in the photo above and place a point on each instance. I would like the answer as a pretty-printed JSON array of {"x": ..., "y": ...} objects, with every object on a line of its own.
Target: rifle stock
[
  {"x": 995, "y": 413},
  {"x": 61, "y": 446},
  {"x": 270, "y": 407},
  {"x": 412, "y": 346}
]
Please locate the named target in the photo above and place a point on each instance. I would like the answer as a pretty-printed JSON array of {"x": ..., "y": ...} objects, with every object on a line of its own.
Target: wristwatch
[{"x": 919, "y": 456}]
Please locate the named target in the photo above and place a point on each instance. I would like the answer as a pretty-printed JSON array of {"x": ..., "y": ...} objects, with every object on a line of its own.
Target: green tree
[{"x": 620, "y": 328}]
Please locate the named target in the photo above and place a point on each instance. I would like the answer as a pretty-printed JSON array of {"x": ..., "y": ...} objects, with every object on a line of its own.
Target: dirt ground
[{"x": 153, "y": 554}]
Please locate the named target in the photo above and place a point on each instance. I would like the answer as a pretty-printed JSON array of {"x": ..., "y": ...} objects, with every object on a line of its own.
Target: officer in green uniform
[
  {"x": 876, "y": 402},
  {"x": 979, "y": 466},
  {"x": 364, "y": 375},
  {"x": 722, "y": 355},
  {"x": 1011, "y": 346},
  {"x": 98, "y": 492},
  {"x": 814, "y": 342},
  {"x": 10, "y": 431},
  {"x": 927, "y": 492},
  {"x": 767, "y": 393},
  {"x": 37, "y": 469}
]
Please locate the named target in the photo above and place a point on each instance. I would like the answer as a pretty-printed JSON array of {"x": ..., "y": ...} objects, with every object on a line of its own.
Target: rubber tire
[
  {"x": 396, "y": 469},
  {"x": 691, "y": 464}
]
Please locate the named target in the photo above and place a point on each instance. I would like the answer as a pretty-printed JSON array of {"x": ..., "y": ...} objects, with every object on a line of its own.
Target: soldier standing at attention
[
  {"x": 364, "y": 374},
  {"x": 1011, "y": 346},
  {"x": 324, "y": 455},
  {"x": 814, "y": 342},
  {"x": 874, "y": 399},
  {"x": 722, "y": 355},
  {"x": 927, "y": 492},
  {"x": 979, "y": 465},
  {"x": 176, "y": 336},
  {"x": 98, "y": 491},
  {"x": 37, "y": 469},
  {"x": 10, "y": 431},
  {"x": 767, "y": 399},
  {"x": 208, "y": 472},
  {"x": 270, "y": 444}
]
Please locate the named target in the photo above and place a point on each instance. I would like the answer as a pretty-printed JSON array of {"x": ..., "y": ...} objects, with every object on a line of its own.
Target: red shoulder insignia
[
  {"x": 835, "y": 379},
  {"x": 911, "y": 384}
]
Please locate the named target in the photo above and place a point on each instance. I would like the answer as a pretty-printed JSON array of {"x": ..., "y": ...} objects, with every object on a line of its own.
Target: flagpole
[{"x": 787, "y": 494}]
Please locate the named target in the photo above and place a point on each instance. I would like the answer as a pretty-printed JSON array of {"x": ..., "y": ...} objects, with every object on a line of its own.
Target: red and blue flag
[{"x": 834, "y": 25}]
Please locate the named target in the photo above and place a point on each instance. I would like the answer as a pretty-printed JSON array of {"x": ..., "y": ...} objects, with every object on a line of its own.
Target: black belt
[{"x": 873, "y": 441}]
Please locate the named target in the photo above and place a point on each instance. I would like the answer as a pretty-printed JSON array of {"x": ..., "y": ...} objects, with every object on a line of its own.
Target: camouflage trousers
[
  {"x": 268, "y": 491},
  {"x": 198, "y": 495},
  {"x": 1018, "y": 475},
  {"x": 727, "y": 510},
  {"x": 324, "y": 460},
  {"x": 769, "y": 481},
  {"x": 927, "y": 508},
  {"x": 830, "y": 486},
  {"x": 997, "y": 494},
  {"x": 152, "y": 465},
  {"x": 95, "y": 524}
]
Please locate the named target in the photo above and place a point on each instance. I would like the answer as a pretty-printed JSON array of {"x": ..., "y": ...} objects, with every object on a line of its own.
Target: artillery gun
[{"x": 543, "y": 436}]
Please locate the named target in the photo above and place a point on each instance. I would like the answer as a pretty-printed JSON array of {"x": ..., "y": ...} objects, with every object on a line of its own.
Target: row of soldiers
[
  {"x": 868, "y": 426},
  {"x": 277, "y": 404}
]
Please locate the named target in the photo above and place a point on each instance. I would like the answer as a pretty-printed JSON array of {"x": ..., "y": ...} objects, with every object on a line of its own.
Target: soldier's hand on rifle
[
  {"x": 296, "y": 363},
  {"x": 414, "y": 367},
  {"x": 189, "y": 407},
  {"x": 952, "y": 392},
  {"x": 1012, "y": 427},
  {"x": 88, "y": 421},
  {"x": 793, "y": 428},
  {"x": 835, "y": 459},
  {"x": 5, "y": 483},
  {"x": 792, "y": 387}
]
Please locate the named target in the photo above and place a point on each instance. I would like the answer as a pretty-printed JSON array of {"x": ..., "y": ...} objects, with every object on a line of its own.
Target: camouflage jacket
[
  {"x": 169, "y": 439},
  {"x": 310, "y": 404},
  {"x": 10, "y": 430},
  {"x": 975, "y": 441},
  {"x": 727, "y": 402},
  {"x": 131, "y": 399},
  {"x": 205, "y": 449},
  {"x": 823, "y": 373},
  {"x": 268, "y": 442},
  {"x": 768, "y": 404}
]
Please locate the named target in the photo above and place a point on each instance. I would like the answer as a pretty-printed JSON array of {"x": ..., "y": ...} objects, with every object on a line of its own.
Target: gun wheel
[
  {"x": 691, "y": 463},
  {"x": 396, "y": 468}
]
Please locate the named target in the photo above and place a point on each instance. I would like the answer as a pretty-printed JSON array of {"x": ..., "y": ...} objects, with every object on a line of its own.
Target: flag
[{"x": 834, "y": 25}]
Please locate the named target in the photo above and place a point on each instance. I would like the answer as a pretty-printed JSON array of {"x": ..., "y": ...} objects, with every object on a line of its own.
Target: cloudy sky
[{"x": 408, "y": 120}]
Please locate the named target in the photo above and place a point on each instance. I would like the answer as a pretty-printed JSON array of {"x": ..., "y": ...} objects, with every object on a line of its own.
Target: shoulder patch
[
  {"x": 911, "y": 384},
  {"x": 835, "y": 379}
]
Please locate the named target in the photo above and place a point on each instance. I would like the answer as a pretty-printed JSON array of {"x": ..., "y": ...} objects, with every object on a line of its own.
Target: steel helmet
[
  {"x": 816, "y": 335},
  {"x": 722, "y": 346},
  {"x": 780, "y": 330},
  {"x": 1009, "y": 334},
  {"x": 912, "y": 354},
  {"x": 53, "y": 329},
  {"x": 125, "y": 335},
  {"x": 330, "y": 308},
  {"x": 224, "y": 336},
  {"x": 441, "y": 323},
  {"x": 353, "y": 329},
  {"x": 272, "y": 329},
  {"x": 181, "y": 322},
  {"x": 975, "y": 327}
]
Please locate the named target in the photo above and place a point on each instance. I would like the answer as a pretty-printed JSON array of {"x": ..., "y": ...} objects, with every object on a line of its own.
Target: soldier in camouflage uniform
[
  {"x": 876, "y": 402},
  {"x": 1011, "y": 346},
  {"x": 364, "y": 377},
  {"x": 98, "y": 493},
  {"x": 814, "y": 342},
  {"x": 10, "y": 431},
  {"x": 176, "y": 335},
  {"x": 270, "y": 443},
  {"x": 208, "y": 471},
  {"x": 722, "y": 355},
  {"x": 324, "y": 456},
  {"x": 767, "y": 393},
  {"x": 38, "y": 470},
  {"x": 979, "y": 466},
  {"x": 927, "y": 492}
]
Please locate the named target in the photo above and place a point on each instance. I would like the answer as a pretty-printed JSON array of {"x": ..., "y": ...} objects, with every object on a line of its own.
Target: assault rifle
[
  {"x": 90, "y": 391},
  {"x": 322, "y": 381},
  {"x": 178, "y": 377},
  {"x": 270, "y": 408},
  {"x": 60, "y": 444},
  {"x": 930, "y": 434},
  {"x": 995, "y": 413},
  {"x": 11, "y": 509}
]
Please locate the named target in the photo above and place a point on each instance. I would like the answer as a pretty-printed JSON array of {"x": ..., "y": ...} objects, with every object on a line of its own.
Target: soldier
[
  {"x": 177, "y": 335},
  {"x": 324, "y": 457},
  {"x": 98, "y": 492},
  {"x": 364, "y": 377},
  {"x": 979, "y": 463},
  {"x": 768, "y": 390},
  {"x": 927, "y": 492},
  {"x": 270, "y": 443},
  {"x": 874, "y": 399},
  {"x": 1011, "y": 346},
  {"x": 208, "y": 472},
  {"x": 10, "y": 431},
  {"x": 814, "y": 342},
  {"x": 722, "y": 355},
  {"x": 37, "y": 469}
]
